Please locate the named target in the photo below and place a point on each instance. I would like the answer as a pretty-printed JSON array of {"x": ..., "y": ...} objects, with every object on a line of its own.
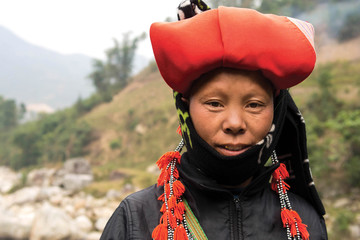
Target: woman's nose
[{"x": 234, "y": 122}]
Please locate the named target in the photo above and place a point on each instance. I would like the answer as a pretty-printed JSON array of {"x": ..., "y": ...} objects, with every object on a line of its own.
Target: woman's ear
[{"x": 185, "y": 100}]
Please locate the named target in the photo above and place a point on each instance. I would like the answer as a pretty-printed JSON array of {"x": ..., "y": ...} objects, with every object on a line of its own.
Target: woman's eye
[
  {"x": 214, "y": 104},
  {"x": 254, "y": 105}
]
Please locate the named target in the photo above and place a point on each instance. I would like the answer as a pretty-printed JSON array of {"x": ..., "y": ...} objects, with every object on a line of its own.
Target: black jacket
[{"x": 249, "y": 213}]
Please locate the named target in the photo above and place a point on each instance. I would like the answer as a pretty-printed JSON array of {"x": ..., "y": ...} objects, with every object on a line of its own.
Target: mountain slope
[
  {"x": 136, "y": 127},
  {"x": 32, "y": 74}
]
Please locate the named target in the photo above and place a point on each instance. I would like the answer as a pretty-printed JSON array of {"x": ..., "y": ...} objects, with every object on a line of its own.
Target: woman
[{"x": 245, "y": 172}]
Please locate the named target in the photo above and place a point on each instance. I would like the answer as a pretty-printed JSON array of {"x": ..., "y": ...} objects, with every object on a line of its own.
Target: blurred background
[{"x": 85, "y": 114}]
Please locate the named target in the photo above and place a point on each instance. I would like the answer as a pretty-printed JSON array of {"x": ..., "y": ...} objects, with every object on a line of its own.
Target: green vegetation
[
  {"x": 53, "y": 138},
  {"x": 351, "y": 27},
  {"x": 114, "y": 74}
]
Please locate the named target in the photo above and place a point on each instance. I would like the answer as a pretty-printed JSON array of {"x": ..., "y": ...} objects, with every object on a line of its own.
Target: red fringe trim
[
  {"x": 303, "y": 231},
  {"x": 173, "y": 208},
  {"x": 291, "y": 218},
  {"x": 163, "y": 208},
  {"x": 179, "y": 130},
  {"x": 168, "y": 217},
  {"x": 178, "y": 188},
  {"x": 165, "y": 159},
  {"x": 281, "y": 171},
  {"x": 285, "y": 186},
  {"x": 167, "y": 189},
  {"x": 172, "y": 202},
  {"x": 180, "y": 233},
  {"x": 288, "y": 217},
  {"x": 179, "y": 211},
  {"x": 162, "y": 198},
  {"x": 160, "y": 232}
]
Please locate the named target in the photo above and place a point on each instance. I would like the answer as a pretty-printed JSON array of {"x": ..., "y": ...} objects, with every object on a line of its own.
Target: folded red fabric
[{"x": 281, "y": 48}]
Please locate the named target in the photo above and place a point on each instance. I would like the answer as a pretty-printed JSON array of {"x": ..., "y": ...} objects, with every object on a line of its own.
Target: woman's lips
[{"x": 231, "y": 150}]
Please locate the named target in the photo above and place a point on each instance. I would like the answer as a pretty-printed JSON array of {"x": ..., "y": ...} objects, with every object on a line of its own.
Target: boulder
[
  {"x": 77, "y": 166},
  {"x": 25, "y": 195},
  {"x": 83, "y": 223},
  {"x": 53, "y": 223},
  {"x": 13, "y": 226},
  {"x": 354, "y": 231},
  {"x": 93, "y": 236},
  {"x": 75, "y": 182},
  {"x": 9, "y": 179},
  {"x": 74, "y": 176},
  {"x": 100, "y": 223},
  {"x": 40, "y": 177}
]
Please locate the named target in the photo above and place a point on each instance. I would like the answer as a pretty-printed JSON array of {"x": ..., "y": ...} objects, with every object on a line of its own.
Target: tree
[
  {"x": 324, "y": 104},
  {"x": 114, "y": 74},
  {"x": 350, "y": 28},
  {"x": 10, "y": 113}
]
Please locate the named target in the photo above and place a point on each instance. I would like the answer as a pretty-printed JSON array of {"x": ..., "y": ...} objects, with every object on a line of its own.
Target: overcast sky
[{"x": 83, "y": 26}]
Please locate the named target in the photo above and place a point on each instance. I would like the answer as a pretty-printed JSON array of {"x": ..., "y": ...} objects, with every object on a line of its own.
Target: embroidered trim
[{"x": 193, "y": 224}]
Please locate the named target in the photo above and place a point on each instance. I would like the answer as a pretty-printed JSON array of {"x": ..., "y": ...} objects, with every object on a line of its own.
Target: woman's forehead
[{"x": 221, "y": 75}]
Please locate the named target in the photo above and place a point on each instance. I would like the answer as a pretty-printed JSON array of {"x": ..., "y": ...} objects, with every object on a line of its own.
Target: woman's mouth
[{"x": 232, "y": 150}]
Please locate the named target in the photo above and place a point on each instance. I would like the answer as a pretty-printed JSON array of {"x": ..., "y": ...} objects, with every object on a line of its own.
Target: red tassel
[
  {"x": 179, "y": 130},
  {"x": 160, "y": 232},
  {"x": 181, "y": 207},
  {"x": 274, "y": 185},
  {"x": 180, "y": 233},
  {"x": 163, "y": 208},
  {"x": 167, "y": 217},
  {"x": 165, "y": 159},
  {"x": 303, "y": 231},
  {"x": 163, "y": 177},
  {"x": 178, "y": 214},
  {"x": 176, "y": 173},
  {"x": 178, "y": 188},
  {"x": 293, "y": 230},
  {"x": 161, "y": 198},
  {"x": 286, "y": 217},
  {"x": 172, "y": 202},
  {"x": 296, "y": 216},
  {"x": 177, "y": 156},
  {"x": 179, "y": 210},
  {"x": 285, "y": 186},
  {"x": 167, "y": 189},
  {"x": 281, "y": 171}
]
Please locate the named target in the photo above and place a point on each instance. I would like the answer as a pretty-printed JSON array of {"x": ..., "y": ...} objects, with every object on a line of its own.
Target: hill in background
[
  {"x": 42, "y": 78},
  {"x": 34, "y": 75}
]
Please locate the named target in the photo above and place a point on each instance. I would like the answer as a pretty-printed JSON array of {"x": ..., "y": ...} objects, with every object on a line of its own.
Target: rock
[
  {"x": 113, "y": 194},
  {"x": 76, "y": 182},
  {"x": 103, "y": 212},
  {"x": 83, "y": 223},
  {"x": 93, "y": 236},
  {"x": 25, "y": 195},
  {"x": 100, "y": 223},
  {"x": 52, "y": 223},
  {"x": 40, "y": 177},
  {"x": 140, "y": 129},
  {"x": 9, "y": 179},
  {"x": 341, "y": 202},
  {"x": 77, "y": 166},
  {"x": 47, "y": 193},
  {"x": 354, "y": 231},
  {"x": 74, "y": 176},
  {"x": 14, "y": 227}
]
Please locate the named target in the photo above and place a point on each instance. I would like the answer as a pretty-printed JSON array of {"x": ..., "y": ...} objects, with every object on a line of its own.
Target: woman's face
[{"x": 232, "y": 110}]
